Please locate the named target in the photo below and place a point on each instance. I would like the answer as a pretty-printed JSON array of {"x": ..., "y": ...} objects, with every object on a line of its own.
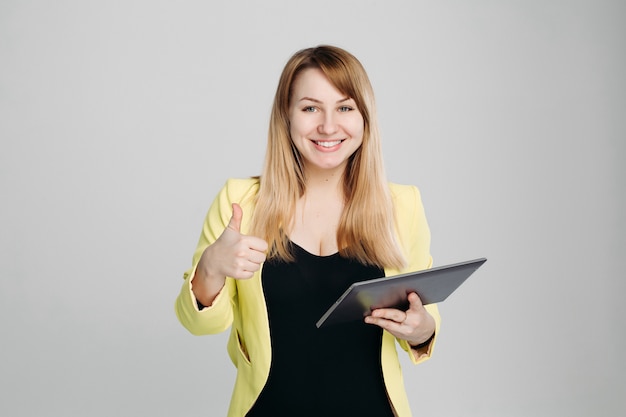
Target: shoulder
[
  {"x": 242, "y": 185},
  {"x": 235, "y": 190},
  {"x": 407, "y": 202},
  {"x": 401, "y": 189},
  {"x": 403, "y": 195},
  {"x": 238, "y": 190}
]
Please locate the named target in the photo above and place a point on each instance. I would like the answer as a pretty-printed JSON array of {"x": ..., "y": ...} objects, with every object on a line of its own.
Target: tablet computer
[{"x": 432, "y": 285}]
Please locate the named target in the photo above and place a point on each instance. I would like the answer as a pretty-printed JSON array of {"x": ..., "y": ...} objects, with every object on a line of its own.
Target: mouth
[{"x": 328, "y": 143}]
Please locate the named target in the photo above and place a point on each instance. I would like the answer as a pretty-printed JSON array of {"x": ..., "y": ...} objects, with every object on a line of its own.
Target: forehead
[{"x": 313, "y": 83}]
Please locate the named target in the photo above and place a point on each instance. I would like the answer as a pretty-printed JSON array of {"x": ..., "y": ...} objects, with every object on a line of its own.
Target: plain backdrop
[{"x": 120, "y": 121}]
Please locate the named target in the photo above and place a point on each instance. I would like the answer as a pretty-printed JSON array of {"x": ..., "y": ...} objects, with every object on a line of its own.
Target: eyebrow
[{"x": 318, "y": 101}]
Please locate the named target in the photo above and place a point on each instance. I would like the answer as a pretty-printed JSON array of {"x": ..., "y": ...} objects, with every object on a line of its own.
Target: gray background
[{"x": 120, "y": 120}]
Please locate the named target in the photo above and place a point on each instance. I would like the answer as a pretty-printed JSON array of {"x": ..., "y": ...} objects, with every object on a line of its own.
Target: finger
[
  {"x": 235, "y": 220},
  {"x": 390, "y": 314},
  {"x": 244, "y": 270},
  {"x": 389, "y": 325},
  {"x": 243, "y": 274},
  {"x": 256, "y": 244},
  {"x": 415, "y": 302},
  {"x": 250, "y": 266},
  {"x": 256, "y": 257}
]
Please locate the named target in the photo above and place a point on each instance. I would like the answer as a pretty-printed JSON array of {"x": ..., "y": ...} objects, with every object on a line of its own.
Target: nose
[{"x": 328, "y": 124}]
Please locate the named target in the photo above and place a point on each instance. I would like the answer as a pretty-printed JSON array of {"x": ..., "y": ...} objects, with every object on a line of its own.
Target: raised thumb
[{"x": 235, "y": 220}]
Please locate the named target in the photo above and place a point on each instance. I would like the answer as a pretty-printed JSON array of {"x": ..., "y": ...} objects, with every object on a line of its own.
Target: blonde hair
[{"x": 366, "y": 229}]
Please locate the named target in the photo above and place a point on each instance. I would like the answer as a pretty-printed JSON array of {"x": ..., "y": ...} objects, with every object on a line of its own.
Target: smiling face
[{"x": 325, "y": 125}]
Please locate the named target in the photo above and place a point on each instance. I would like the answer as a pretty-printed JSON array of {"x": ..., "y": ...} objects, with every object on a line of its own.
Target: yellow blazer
[{"x": 241, "y": 303}]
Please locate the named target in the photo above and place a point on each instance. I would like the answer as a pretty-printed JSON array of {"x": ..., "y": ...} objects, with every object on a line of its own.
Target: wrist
[
  {"x": 421, "y": 345},
  {"x": 206, "y": 287}
]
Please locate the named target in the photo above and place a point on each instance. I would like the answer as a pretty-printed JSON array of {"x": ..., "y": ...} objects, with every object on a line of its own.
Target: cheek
[
  {"x": 296, "y": 133},
  {"x": 358, "y": 129},
  {"x": 296, "y": 127},
  {"x": 357, "y": 125}
]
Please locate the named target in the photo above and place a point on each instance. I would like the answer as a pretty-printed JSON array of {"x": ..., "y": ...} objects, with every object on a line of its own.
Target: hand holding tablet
[{"x": 432, "y": 285}]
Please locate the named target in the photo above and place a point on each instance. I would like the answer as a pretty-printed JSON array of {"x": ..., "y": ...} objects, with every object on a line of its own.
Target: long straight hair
[{"x": 366, "y": 231}]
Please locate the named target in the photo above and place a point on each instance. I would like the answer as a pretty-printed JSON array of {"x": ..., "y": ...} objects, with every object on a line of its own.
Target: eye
[
  {"x": 309, "y": 109},
  {"x": 345, "y": 109}
]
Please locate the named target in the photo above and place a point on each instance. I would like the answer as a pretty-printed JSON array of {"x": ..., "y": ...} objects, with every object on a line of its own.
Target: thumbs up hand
[
  {"x": 231, "y": 255},
  {"x": 234, "y": 254}
]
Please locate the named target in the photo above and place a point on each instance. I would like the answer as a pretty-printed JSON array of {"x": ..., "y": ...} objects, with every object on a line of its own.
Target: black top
[{"x": 333, "y": 371}]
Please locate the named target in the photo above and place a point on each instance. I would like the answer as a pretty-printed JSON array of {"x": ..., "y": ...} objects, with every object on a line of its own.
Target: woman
[{"x": 276, "y": 251}]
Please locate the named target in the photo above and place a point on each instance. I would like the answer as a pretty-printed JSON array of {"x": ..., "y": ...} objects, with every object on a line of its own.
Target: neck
[{"x": 324, "y": 181}]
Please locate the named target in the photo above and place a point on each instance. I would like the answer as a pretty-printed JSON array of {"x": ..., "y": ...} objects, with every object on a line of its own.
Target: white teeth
[{"x": 328, "y": 144}]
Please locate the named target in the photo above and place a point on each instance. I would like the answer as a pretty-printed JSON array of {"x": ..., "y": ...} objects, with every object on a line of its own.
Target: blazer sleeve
[{"x": 219, "y": 316}]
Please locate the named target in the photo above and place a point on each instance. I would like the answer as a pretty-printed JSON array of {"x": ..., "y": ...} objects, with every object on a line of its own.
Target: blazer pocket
[{"x": 241, "y": 345}]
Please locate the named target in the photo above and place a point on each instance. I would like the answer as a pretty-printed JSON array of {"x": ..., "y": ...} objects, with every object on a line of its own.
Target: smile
[{"x": 327, "y": 143}]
